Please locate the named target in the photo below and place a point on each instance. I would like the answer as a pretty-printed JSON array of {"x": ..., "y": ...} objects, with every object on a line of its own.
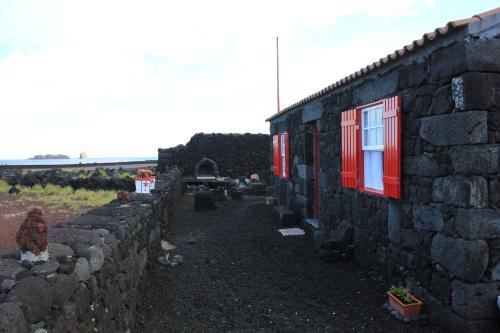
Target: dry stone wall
[
  {"x": 97, "y": 260},
  {"x": 236, "y": 155},
  {"x": 443, "y": 237}
]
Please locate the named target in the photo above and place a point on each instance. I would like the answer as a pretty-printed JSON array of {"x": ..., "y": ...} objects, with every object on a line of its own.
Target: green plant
[
  {"x": 167, "y": 247},
  {"x": 402, "y": 293}
]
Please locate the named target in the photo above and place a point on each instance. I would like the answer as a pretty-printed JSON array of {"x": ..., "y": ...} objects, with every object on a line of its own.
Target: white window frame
[
  {"x": 372, "y": 148},
  {"x": 363, "y": 128},
  {"x": 283, "y": 154}
]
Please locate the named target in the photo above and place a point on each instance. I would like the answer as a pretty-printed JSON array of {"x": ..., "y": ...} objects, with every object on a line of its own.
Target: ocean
[{"x": 77, "y": 161}]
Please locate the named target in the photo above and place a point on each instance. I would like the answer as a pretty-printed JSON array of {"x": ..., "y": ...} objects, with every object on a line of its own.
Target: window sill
[{"x": 373, "y": 191}]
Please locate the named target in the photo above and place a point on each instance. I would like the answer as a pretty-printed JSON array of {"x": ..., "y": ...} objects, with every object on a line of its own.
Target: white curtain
[{"x": 374, "y": 169}]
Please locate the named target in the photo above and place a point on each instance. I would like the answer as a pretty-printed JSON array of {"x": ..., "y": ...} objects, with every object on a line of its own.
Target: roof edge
[{"x": 390, "y": 58}]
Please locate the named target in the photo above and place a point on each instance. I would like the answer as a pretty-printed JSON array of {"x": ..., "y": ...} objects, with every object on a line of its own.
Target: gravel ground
[{"x": 240, "y": 275}]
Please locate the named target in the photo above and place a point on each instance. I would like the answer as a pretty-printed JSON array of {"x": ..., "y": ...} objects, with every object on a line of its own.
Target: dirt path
[{"x": 240, "y": 275}]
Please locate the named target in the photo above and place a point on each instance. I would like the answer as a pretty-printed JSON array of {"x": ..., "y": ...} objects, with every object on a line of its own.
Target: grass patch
[
  {"x": 63, "y": 196},
  {"x": 4, "y": 187}
]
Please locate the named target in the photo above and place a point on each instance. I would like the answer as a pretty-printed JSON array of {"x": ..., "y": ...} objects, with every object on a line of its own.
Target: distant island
[
  {"x": 50, "y": 157},
  {"x": 83, "y": 155}
]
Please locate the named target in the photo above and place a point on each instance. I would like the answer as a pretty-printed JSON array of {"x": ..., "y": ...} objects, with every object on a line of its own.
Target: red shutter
[
  {"x": 392, "y": 147},
  {"x": 350, "y": 146},
  {"x": 276, "y": 155},
  {"x": 286, "y": 171}
]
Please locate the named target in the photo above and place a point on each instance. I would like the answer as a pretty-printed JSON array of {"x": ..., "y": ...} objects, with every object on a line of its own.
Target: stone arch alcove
[{"x": 206, "y": 169}]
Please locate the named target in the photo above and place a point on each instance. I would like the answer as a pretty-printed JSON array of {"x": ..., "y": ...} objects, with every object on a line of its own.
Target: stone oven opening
[{"x": 206, "y": 169}]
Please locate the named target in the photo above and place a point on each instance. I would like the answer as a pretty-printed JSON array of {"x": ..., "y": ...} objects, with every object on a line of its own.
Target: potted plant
[
  {"x": 145, "y": 181},
  {"x": 404, "y": 302}
]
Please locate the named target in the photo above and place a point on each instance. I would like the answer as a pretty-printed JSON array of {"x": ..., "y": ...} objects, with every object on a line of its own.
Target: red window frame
[
  {"x": 281, "y": 166},
  {"x": 352, "y": 152},
  {"x": 276, "y": 155}
]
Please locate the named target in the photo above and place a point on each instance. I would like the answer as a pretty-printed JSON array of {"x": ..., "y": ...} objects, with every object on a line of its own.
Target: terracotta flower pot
[{"x": 406, "y": 310}]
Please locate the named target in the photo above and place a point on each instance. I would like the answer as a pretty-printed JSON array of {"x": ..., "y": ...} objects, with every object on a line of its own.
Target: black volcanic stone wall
[
  {"x": 98, "y": 179},
  {"x": 92, "y": 281},
  {"x": 442, "y": 238},
  {"x": 236, "y": 155}
]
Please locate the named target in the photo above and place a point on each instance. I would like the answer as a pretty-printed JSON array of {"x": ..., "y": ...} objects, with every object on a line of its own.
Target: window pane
[
  {"x": 374, "y": 169},
  {"x": 365, "y": 119},
  {"x": 379, "y": 117},
  {"x": 380, "y": 136},
  {"x": 373, "y": 138}
]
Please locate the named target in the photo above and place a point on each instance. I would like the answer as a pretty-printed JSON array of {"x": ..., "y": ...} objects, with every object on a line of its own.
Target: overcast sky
[{"x": 122, "y": 78}]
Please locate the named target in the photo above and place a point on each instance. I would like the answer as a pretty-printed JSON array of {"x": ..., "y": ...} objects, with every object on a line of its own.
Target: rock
[
  {"x": 60, "y": 250},
  {"x": 174, "y": 263},
  {"x": 178, "y": 259},
  {"x": 476, "y": 160},
  {"x": 474, "y": 301},
  {"x": 465, "y": 259},
  {"x": 494, "y": 188},
  {"x": 441, "y": 103},
  {"x": 113, "y": 299},
  {"x": 81, "y": 250},
  {"x": 32, "y": 235},
  {"x": 475, "y": 90},
  {"x": 162, "y": 260},
  {"x": 203, "y": 201},
  {"x": 96, "y": 258},
  {"x": 66, "y": 268},
  {"x": 46, "y": 268},
  {"x": 461, "y": 191},
  {"x": 455, "y": 129},
  {"x": 12, "y": 319},
  {"x": 258, "y": 188},
  {"x": 421, "y": 165},
  {"x": 14, "y": 190},
  {"x": 495, "y": 273},
  {"x": 478, "y": 223},
  {"x": 9, "y": 268},
  {"x": 23, "y": 274},
  {"x": 27, "y": 264},
  {"x": 122, "y": 197},
  {"x": 82, "y": 270},
  {"x": 37, "y": 326},
  {"x": 41, "y": 330},
  {"x": 34, "y": 296},
  {"x": 494, "y": 246},
  {"x": 7, "y": 284},
  {"x": 108, "y": 223},
  {"x": 63, "y": 287},
  {"x": 428, "y": 218},
  {"x": 237, "y": 195},
  {"x": 441, "y": 287},
  {"x": 394, "y": 221},
  {"x": 341, "y": 236},
  {"x": 71, "y": 236}
]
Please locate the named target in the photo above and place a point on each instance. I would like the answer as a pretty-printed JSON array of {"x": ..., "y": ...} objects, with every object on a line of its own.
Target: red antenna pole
[{"x": 277, "y": 74}]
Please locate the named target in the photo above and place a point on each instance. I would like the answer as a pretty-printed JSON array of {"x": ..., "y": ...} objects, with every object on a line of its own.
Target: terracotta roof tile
[{"x": 430, "y": 36}]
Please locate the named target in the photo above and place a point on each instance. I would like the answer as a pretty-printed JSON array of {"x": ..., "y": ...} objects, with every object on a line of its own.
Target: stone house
[{"x": 401, "y": 161}]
